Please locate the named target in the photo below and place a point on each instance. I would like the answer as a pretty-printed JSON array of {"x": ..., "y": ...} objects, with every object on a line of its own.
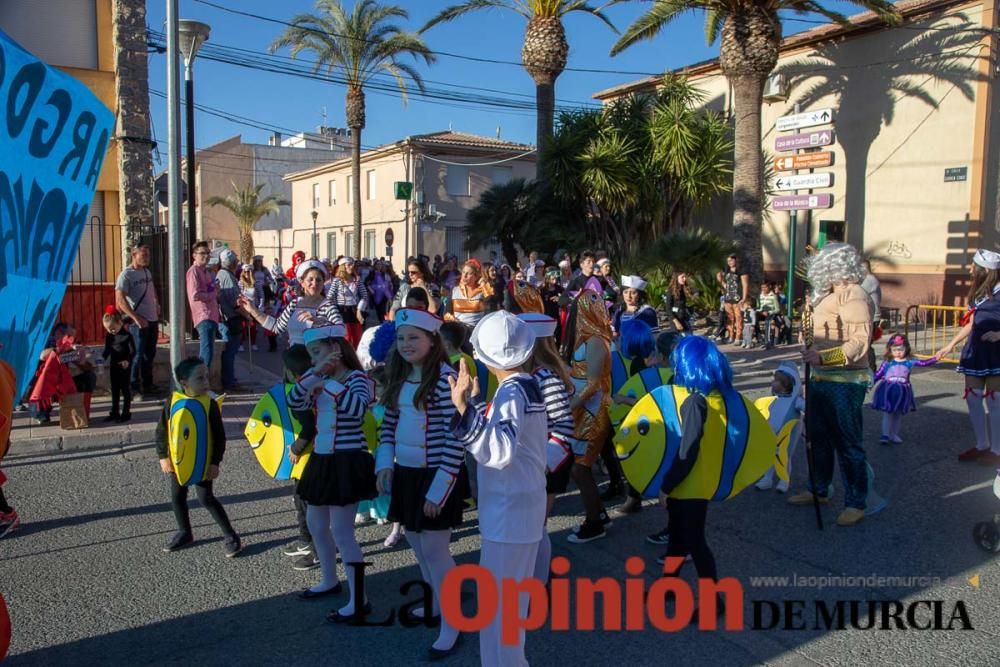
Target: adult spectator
[
  {"x": 417, "y": 275},
  {"x": 678, "y": 317},
  {"x": 873, "y": 288},
  {"x": 203, "y": 300},
  {"x": 276, "y": 272},
  {"x": 735, "y": 283},
  {"x": 381, "y": 288},
  {"x": 231, "y": 322},
  {"x": 565, "y": 273},
  {"x": 135, "y": 296},
  {"x": 468, "y": 302}
]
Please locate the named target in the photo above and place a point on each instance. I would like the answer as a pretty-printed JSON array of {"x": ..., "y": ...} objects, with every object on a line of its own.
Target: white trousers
[{"x": 505, "y": 561}]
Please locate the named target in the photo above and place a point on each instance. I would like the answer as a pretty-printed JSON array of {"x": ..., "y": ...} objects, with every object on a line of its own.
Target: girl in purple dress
[{"x": 894, "y": 394}]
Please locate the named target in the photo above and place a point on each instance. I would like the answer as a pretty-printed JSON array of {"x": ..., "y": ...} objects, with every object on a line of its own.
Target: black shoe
[
  {"x": 435, "y": 654},
  {"x": 305, "y": 563},
  {"x": 605, "y": 519},
  {"x": 232, "y": 546},
  {"x": 310, "y": 595},
  {"x": 298, "y": 548},
  {"x": 661, "y": 538},
  {"x": 126, "y": 417},
  {"x": 113, "y": 417},
  {"x": 588, "y": 532},
  {"x": 631, "y": 506},
  {"x": 180, "y": 540},
  {"x": 612, "y": 492},
  {"x": 335, "y": 616}
]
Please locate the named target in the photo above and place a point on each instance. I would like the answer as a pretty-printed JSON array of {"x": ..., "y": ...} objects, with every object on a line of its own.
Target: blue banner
[{"x": 54, "y": 135}]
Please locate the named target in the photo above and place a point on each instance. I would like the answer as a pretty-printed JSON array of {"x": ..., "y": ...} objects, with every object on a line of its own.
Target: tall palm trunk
[
  {"x": 749, "y": 52},
  {"x": 246, "y": 242},
  {"x": 544, "y": 56},
  {"x": 356, "y": 121}
]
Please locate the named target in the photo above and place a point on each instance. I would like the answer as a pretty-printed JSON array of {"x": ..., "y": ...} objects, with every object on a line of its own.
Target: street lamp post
[
  {"x": 174, "y": 228},
  {"x": 192, "y": 35},
  {"x": 315, "y": 239}
]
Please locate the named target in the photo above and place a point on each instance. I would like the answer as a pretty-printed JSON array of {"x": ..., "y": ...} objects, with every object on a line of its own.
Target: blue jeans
[
  {"x": 145, "y": 353},
  {"x": 835, "y": 426},
  {"x": 230, "y": 331},
  {"x": 206, "y": 340}
]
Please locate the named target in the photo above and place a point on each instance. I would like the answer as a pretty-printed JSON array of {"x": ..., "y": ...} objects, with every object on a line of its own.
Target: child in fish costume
[
  {"x": 190, "y": 442},
  {"x": 783, "y": 410},
  {"x": 694, "y": 441}
]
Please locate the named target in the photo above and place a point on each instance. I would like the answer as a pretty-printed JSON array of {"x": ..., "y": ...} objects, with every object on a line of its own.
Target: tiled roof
[
  {"x": 451, "y": 138},
  {"x": 864, "y": 20}
]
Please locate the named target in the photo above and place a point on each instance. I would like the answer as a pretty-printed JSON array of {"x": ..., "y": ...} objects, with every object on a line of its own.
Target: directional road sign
[
  {"x": 806, "y": 119},
  {"x": 791, "y": 142},
  {"x": 801, "y": 202},
  {"x": 804, "y": 161},
  {"x": 804, "y": 181}
]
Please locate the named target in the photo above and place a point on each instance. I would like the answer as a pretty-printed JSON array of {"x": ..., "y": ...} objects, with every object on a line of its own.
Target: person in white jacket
[{"x": 509, "y": 444}]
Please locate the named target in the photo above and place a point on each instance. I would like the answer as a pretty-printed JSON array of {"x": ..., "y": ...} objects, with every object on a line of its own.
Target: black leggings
[
  {"x": 687, "y": 535},
  {"x": 615, "y": 475},
  {"x": 300, "y": 516},
  {"x": 4, "y": 507},
  {"x": 178, "y": 498}
]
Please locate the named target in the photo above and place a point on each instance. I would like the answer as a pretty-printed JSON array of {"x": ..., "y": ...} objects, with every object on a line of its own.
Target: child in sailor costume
[{"x": 509, "y": 443}]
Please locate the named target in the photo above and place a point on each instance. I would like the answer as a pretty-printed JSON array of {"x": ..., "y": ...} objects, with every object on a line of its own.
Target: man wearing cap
[
  {"x": 509, "y": 444},
  {"x": 980, "y": 361},
  {"x": 838, "y": 354},
  {"x": 231, "y": 318},
  {"x": 203, "y": 301}
]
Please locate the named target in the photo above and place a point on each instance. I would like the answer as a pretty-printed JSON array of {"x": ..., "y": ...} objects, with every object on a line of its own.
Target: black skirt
[
  {"x": 409, "y": 491},
  {"x": 341, "y": 478}
]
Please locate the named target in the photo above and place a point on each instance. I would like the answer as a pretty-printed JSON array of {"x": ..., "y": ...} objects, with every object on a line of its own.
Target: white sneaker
[
  {"x": 241, "y": 348},
  {"x": 360, "y": 519},
  {"x": 764, "y": 483},
  {"x": 253, "y": 347},
  {"x": 781, "y": 486}
]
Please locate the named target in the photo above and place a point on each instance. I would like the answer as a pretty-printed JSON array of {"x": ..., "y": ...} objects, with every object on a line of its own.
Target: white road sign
[
  {"x": 804, "y": 181},
  {"x": 805, "y": 119}
]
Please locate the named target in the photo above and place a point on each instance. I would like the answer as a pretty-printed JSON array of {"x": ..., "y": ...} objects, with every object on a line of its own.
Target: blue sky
[{"x": 292, "y": 102}]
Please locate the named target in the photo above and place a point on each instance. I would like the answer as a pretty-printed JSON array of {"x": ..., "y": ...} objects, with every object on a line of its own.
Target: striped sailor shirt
[{"x": 340, "y": 409}]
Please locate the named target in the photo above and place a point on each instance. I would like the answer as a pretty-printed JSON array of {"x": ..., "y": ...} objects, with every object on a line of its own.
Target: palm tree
[
  {"x": 544, "y": 52},
  {"x": 751, "y": 39},
  {"x": 357, "y": 46},
  {"x": 247, "y": 207}
]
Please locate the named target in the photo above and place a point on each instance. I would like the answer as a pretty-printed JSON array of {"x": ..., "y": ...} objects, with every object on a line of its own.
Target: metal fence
[{"x": 930, "y": 327}]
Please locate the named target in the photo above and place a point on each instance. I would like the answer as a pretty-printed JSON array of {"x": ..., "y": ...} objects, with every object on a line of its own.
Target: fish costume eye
[
  {"x": 186, "y": 433},
  {"x": 643, "y": 426},
  {"x": 266, "y": 419}
]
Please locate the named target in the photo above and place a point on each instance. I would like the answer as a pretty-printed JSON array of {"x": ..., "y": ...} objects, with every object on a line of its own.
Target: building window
[
  {"x": 331, "y": 245},
  {"x": 457, "y": 181},
  {"x": 502, "y": 175},
  {"x": 370, "y": 243},
  {"x": 454, "y": 239},
  {"x": 348, "y": 243},
  {"x": 333, "y": 192},
  {"x": 370, "y": 183},
  {"x": 315, "y": 245},
  {"x": 350, "y": 189},
  {"x": 315, "y": 195}
]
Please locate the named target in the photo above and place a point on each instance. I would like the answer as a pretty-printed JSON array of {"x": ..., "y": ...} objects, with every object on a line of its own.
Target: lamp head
[{"x": 192, "y": 34}]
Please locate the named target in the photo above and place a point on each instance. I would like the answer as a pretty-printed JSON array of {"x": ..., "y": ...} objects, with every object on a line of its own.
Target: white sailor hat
[
  {"x": 543, "y": 325},
  {"x": 987, "y": 259},
  {"x": 301, "y": 269},
  {"x": 345, "y": 260},
  {"x": 501, "y": 340},
  {"x": 603, "y": 261},
  {"x": 323, "y": 332},
  {"x": 634, "y": 282},
  {"x": 564, "y": 264},
  {"x": 414, "y": 317}
]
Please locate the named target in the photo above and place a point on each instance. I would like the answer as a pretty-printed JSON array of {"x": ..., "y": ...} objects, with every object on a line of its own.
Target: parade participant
[
  {"x": 297, "y": 258},
  {"x": 634, "y": 305},
  {"x": 565, "y": 273},
  {"x": 382, "y": 289},
  {"x": 556, "y": 387},
  {"x": 119, "y": 351},
  {"x": 203, "y": 300},
  {"x": 468, "y": 299},
  {"x": 276, "y": 272},
  {"x": 300, "y": 311},
  {"x": 841, "y": 337},
  {"x": 418, "y": 461},
  {"x": 350, "y": 295},
  {"x": 590, "y": 368},
  {"x": 675, "y": 303},
  {"x": 340, "y": 472},
  {"x": 611, "y": 290},
  {"x": 894, "y": 394},
  {"x": 509, "y": 445},
  {"x": 735, "y": 283},
  {"x": 784, "y": 406},
  {"x": 494, "y": 287},
  {"x": 417, "y": 275},
  {"x": 192, "y": 416}
]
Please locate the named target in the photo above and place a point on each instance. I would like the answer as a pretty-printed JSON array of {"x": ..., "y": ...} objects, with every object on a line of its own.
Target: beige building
[
  {"x": 449, "y": 171},
  {"x": 914, "y": 130}
]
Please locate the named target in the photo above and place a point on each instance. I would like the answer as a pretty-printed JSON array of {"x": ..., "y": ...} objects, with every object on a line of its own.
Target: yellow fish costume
[
  {"x": 636, "y": 387},
  {"x": 189, "y": 437},
  {"x": 736, "y": 448},
  {"x": 271, "y": 430}
]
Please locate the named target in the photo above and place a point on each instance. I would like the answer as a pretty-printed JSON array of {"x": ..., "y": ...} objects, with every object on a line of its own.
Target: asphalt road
[{"x": 87, "y": 583}]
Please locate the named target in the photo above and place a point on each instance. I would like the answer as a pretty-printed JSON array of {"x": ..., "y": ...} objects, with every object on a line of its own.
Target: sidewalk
[{"x": 27, "y": 437}]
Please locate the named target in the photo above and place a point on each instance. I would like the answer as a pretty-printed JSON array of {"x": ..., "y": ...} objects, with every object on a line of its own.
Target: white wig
[{"x": 835, "y": 262}]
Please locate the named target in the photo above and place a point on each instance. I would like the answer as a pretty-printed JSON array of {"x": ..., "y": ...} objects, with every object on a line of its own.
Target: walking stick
[{"x": 807, "y": 338}]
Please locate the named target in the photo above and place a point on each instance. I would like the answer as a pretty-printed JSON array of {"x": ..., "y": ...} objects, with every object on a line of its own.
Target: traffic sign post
[
  {"x": 801, "y": 202},
  {"x": 807, "y": 119},
  {"x": 389, "y": 238},
  {"x": 804, "y": 161},
  {"x": 803, "y": 181},
  {"x": 793, "y": 142}
]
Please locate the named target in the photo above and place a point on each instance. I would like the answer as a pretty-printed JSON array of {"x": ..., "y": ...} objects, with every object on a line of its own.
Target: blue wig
[
  {"x": 700, "y": 367},
  {"x": 382, "y": 342},
  {"x": 637, "y": 339}
]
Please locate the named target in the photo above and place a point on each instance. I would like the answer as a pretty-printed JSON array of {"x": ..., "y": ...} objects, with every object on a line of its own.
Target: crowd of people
[{"x": 494, "y": 387}]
